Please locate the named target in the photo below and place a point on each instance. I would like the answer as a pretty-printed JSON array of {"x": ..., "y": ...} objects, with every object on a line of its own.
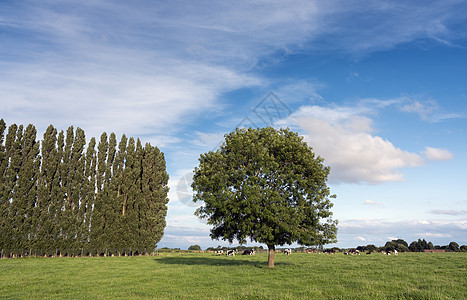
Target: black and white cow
[
  {"x": 288, "y": 251},
  {"x": 248, "y": 252},
  {"x": 231, "y": 252},
  {"x": 219, "y": 252}
]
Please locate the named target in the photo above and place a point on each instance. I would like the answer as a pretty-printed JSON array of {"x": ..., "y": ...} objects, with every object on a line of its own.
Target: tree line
[
  {"x": 400, "y": 245},
  {"x": 63, "y": 196},
  {"x": 416, "y": 246}
]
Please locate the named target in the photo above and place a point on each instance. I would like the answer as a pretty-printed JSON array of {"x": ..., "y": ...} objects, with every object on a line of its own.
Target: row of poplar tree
[{"x": 62, "y": 196}]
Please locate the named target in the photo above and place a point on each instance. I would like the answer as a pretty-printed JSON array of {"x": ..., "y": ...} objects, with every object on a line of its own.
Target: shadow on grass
[{"x": 214, "y": 261}]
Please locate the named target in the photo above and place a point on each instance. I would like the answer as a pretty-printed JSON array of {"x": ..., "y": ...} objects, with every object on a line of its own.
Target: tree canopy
[{"x": 266, "y": 185}]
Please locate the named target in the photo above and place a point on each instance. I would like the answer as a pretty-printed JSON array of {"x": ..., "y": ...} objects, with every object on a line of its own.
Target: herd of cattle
[{"x": 289, "y": 251}]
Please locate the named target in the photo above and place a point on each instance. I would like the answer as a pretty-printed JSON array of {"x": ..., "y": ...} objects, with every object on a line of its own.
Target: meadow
[{"x": 206, "y": 276}]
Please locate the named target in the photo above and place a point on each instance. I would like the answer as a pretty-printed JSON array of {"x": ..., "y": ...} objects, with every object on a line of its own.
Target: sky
[{"x": 376, "y": 88}]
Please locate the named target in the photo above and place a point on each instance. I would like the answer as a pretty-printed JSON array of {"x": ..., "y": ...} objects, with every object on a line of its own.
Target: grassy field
[{"x": 205, "y": 276}]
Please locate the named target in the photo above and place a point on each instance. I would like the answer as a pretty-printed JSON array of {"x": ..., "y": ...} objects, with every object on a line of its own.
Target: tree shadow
[{"x": 214, "y": 261}]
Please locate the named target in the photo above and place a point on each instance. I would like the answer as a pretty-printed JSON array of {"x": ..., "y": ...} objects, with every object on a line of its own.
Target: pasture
[{"x": 206, "y": 276}]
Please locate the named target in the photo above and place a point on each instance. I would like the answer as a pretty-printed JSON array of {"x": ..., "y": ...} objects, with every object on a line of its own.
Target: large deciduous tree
[{"x": 266, "y": 185}]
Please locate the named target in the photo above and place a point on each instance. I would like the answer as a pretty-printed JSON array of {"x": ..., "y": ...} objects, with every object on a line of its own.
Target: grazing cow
[
  {"x": 248, "y": 252},
  {"x": 231, "y": 252},
  {"x": 288, "y": 251},
  {"x": 219, "y": 252}
]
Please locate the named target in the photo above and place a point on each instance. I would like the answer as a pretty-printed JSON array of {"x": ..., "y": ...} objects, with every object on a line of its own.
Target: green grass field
[{"x": 206, "y": 276}]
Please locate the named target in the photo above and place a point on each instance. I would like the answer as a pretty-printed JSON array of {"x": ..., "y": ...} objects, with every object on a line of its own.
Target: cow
[
  {"x": 248, "y": 252},
  {"x": 219, "y": 252},
  {"x": 395, "y": 252},
  {"x": 309, "y": 251},
  {"x": 231, "y": 252},
  {"x": 330, "y": 251},
  {"x": 288, "y": 251}
]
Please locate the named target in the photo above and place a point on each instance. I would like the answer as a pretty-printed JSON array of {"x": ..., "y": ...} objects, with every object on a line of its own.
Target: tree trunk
[{"x": 271, "y": 253}]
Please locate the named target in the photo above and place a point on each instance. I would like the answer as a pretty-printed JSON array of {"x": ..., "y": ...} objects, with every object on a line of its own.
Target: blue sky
[{"x": 377, "y": 88}]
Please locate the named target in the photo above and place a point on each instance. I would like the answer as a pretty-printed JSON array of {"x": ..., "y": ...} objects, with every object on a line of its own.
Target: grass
[{"x": 206, "y": 276}]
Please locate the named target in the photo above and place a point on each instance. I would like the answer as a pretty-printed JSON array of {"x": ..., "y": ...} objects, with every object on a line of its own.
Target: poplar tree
[
  {"x": 119, "y": 200},
  {"x": 45, "y": 210},
  {"x": 12, "y": 175},
  {"x": 4, "y": 203},
  {"x": 130, "y": 190},
  {"x": 87, "y": 204},
  {"x": 75, "y": 189},
  {"x": 99, "y": 223},
  {"x": 154, "y": 191},
  {"x": 25, "y": 191},
  {"x": 109, "y": 196},
  {"x": 58, "y": 200}
]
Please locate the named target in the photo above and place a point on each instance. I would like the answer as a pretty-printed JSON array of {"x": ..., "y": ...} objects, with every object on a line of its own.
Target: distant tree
[
  {"x": 463, "y": 248},
  {"x": 415, "y": 247},
  {"x": 266, "y": 185},
  {"x": 402, "y": 248},
  {"x": 390, "y": 246},
  {"x": 453, "y": 246},
  {"x": 423, "y": 244},
  {"x": 401, "y": 241},
  {"x": 371, "y": 248},
  {"x": 194, "y": 248}
]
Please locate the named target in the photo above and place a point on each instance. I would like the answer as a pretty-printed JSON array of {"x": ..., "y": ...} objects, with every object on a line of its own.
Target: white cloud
[
  {"x": 423, "y": 109},
  {"x": 343, "y": 136},
  {"x": 437, "y": 154},
  {"x": 360, "y": 238},
  {"x": 208, "y": 140},
  {"x": 427, "y": 110},
  {"x": 148, "y": 68},
  {"x": 450, "y": 212},
  {"x": 370, "y": 202},
  {"x": 434, "y": 235}
]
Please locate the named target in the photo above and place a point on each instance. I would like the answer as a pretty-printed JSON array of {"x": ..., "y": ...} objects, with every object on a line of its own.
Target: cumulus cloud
[{"x": 344, "y": 137}]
